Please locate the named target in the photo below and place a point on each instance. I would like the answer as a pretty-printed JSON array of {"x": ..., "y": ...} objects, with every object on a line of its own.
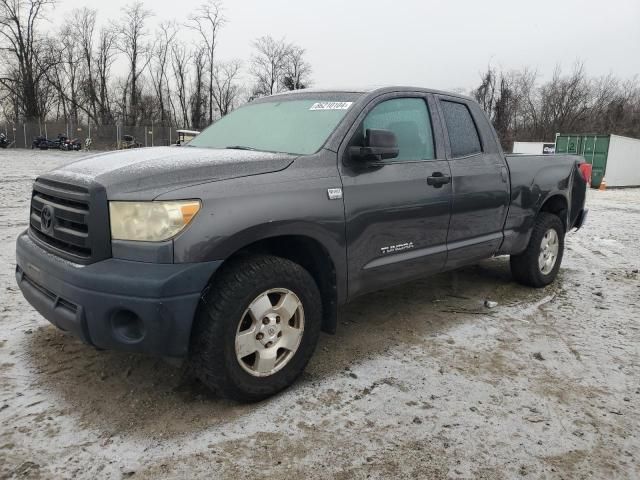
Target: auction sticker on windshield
[{"x": 331, "y": 106}]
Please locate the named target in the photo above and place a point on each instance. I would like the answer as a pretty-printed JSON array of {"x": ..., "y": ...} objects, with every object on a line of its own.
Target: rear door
[
  {"x": 396, "y": 223},
  {"x": 480, "y": 182}
]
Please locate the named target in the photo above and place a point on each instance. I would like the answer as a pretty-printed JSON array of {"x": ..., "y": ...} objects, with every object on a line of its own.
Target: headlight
[{"x": 150, "y": 221}]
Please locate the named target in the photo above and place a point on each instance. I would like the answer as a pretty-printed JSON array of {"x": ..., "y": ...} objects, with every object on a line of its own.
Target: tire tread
[
  {"x": 524, "y": 266},
  {"x": 227, "y": 293}
]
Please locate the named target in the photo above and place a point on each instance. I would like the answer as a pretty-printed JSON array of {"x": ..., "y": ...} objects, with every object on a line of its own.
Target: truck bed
[{"x": 534, "y": 180}]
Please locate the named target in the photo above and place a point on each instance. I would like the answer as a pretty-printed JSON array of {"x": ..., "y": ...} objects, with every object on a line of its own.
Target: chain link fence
[{"x": 103, "y": 137}]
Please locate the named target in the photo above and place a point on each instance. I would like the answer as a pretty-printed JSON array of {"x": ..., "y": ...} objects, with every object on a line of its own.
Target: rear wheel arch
[
  {"x": 558, "y": 205},
  {"x": 537, "y": 266}
]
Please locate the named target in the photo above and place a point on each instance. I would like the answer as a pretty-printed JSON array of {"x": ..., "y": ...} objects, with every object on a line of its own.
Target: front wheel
[
  {"x": 538, "y": 265},
  {"x": 256, "y": 328}
]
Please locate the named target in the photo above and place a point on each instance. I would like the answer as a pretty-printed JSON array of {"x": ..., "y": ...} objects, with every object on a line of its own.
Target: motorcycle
[
  {"x": 4, "y": 143},
  {"x": 71, "y": 145},
  {"x": 43, "y": 143}
]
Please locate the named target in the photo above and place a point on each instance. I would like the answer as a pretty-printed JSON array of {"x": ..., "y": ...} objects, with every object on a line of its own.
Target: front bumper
[{"x": 115, "y": 304}]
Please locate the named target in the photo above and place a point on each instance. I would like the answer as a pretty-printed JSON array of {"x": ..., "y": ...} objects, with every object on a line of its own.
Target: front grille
[
  {"x": 70, "y": 220},
  {"x": 68, "y": 228}
]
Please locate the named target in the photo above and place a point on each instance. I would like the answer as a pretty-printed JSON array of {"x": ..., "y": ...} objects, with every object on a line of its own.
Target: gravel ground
[{"x": 421, "y": 381}]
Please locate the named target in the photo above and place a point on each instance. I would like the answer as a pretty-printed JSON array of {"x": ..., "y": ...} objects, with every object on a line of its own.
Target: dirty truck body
[{"x": 236, "y": 250}]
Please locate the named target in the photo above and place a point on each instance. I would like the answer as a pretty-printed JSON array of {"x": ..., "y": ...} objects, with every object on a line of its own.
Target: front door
[{"x": 396, "y": 222}]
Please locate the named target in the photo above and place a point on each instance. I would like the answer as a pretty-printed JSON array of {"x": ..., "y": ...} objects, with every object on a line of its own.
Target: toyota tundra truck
[{"x": 233, "y": 252}]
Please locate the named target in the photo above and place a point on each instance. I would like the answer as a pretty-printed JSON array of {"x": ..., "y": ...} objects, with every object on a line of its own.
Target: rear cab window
[{"x": 464, "y": 139}]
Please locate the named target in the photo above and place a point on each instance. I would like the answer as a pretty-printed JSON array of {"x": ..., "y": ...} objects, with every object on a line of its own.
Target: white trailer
[
  {"x": 623, "y": 162},
  {"x": 613, "y": 157}
]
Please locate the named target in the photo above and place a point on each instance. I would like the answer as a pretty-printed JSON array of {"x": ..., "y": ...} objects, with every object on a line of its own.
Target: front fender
[{"x": 239, "y": 212}]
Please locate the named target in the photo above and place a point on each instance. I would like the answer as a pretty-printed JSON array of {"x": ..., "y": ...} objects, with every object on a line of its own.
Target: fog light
[{"x": 127, "y": 326}]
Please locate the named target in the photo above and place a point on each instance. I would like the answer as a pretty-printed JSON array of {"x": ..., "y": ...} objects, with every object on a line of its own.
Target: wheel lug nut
[
  {"x": 259, "y": 336},
  {"x": 279, "y": 334},
  {"x": 268, "y": 344},
  {"x": 265, "y": 321},
  {"x": 278, "y": 319}
]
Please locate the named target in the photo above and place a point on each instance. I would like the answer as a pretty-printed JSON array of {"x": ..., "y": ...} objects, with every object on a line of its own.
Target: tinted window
[
  {"x": 409, "y": 119},
  {"x": 463, "y": 135}
]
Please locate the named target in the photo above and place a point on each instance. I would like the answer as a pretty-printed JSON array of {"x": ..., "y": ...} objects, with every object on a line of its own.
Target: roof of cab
[{"x": 377, "y": 90}]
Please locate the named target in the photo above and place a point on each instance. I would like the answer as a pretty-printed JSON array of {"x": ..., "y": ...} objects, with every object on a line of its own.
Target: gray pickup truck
[{"x": 234, "y": 251}]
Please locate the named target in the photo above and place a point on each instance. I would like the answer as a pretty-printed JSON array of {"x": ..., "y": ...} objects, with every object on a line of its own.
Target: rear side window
[{"x": 463, "y": 135}]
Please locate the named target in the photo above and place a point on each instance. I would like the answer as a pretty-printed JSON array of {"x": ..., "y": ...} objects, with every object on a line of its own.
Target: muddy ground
[{"x": 421, "y": 381}]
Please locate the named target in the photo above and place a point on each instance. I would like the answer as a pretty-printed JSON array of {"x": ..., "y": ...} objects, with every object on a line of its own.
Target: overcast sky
[{"x": 438, "y": 44}]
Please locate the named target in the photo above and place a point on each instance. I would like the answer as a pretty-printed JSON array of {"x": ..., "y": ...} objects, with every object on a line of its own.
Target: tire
[
  {"x": 526, "y": 267},
  {"x": 227, "y": 310}
]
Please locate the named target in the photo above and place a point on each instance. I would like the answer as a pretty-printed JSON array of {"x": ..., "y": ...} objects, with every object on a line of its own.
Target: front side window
[
  {"x": 290, "y": 126},
  {"x": 408, "y": 119},
  {"x": 463, "y": 135}
]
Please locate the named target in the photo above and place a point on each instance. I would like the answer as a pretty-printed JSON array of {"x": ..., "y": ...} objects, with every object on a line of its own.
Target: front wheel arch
[{"x": 311, "y": 255}]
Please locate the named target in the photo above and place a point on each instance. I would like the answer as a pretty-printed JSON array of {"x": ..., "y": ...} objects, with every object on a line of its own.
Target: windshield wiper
[{"x": 241, "y": 147}]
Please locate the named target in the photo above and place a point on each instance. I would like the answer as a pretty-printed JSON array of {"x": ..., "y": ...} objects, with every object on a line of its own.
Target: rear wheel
[
  {"x": 538, "y": 265},
  {"x": 256, "y": 328}
]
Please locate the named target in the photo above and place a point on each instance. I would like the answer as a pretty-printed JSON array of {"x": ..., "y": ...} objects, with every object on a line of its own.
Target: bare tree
[
  {"x": 604, "y": 102},
  {"x": 197, "y": 99},
  {"x": 522, "y": 109},
  {"x": 268, "y": 65},
  {"x": 97, "y": 54},
  {"x": 485, "y": 94},
  {"x": 207, "y": 21},
  {"x": 527, "y": 117},
  {"x": 564, "y": 100},
  {"x": 179, "y": 65},
  {"x": 69, "y": 66},
  {"x": 56, "y": 79},
  {"x": 132, "y": 34},
  {"x": 226, "y": 89},
  {"x": 159, "y": 69},
  {"x": 297, "y": 71},
  {"x": 105, "y": 57},
  {"x": 497, "y": 97},
  {"x": 21, "y": 40},
  {"x": 83, "y": 28}
]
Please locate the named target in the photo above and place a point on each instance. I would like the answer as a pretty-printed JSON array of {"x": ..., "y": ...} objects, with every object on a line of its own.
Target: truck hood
[{"x": 145, "y": 173}]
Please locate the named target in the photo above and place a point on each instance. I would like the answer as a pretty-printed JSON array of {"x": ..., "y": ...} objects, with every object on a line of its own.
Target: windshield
[{"x": 290, "y": 126}]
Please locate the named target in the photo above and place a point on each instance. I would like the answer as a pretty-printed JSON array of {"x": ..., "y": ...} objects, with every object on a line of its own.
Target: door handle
[
  {"x": 438, "y": 179},
  {"x": 504, "y": 174}
]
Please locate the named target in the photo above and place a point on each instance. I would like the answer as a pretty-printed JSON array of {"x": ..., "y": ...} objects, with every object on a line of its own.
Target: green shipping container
[{"x": 594, "y": 149}]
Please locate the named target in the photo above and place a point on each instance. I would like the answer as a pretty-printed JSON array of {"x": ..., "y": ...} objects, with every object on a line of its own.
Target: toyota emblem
[{"x": 46, "y": 219}]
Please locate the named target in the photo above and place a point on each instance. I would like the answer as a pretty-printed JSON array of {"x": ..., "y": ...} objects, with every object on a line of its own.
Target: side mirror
[{"x": 378, "y": 145}]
